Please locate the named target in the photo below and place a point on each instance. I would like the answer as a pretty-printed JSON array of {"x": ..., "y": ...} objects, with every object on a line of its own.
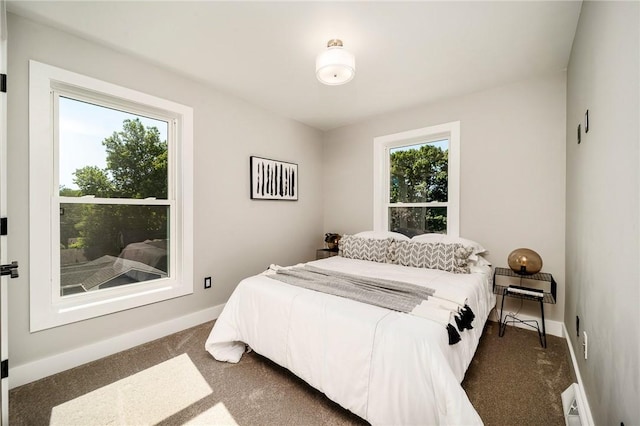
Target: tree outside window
[{"x": 418, "y": 182}]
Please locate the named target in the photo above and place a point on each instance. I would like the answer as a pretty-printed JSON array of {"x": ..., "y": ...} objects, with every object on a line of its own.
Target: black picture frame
[{"x": 273, "y": 179}]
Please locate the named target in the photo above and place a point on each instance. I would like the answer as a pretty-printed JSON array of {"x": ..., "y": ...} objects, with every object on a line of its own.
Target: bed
[{"x": 385, "y": 366}]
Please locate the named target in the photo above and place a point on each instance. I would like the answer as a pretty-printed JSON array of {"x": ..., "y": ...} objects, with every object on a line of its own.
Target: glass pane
[
  {"x": 110, "y": 153},
  {"x": 104, "y": 246},
  {"x": 412, "y": 221},
  {"x": 419, "y": 172}
]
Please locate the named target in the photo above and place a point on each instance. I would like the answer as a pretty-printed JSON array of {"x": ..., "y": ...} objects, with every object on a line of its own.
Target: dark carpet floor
[{"x": 511, "y": 381}]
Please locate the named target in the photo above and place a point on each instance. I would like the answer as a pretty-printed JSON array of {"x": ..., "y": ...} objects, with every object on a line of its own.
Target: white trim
[
  {"x": 381, "y": 146},
  {"x": 35, "y": 370},
  {"x": 48, "y": 308},
  {"x": 586, "y": 419},
  {"x": 453, "y": 196},
  {"x": 4, "y": 304}
]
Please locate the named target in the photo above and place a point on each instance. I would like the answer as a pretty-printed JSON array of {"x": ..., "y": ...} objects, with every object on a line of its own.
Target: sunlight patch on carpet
[
  {"x": 217, "y": 415},
  {"x": 144, "y": 398}
]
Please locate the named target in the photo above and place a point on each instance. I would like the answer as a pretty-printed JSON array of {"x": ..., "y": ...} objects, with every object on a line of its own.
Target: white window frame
[
  {"x": 381, "y": 172},
  {"x": 47, "y": 308}
]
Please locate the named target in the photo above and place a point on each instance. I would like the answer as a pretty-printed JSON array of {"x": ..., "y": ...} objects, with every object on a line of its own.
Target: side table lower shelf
[
  {"x": 542, "y": 296},
  {"x": 514, "y": 320}
]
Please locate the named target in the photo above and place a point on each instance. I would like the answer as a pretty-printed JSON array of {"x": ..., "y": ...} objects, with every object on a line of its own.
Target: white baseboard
[
  {"x": 27, "y": 373},
  {"x": 583, "y": 405},
  {"x": 554, "y": 328}
]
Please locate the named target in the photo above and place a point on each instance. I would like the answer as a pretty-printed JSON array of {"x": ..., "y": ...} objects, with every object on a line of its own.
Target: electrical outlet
[
  {"x": 207, "y": 282},
  {"x": 585, "y": 344}
]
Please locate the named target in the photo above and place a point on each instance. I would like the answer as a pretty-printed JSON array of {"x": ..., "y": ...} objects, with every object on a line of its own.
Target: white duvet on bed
[{"x": 385, "y": 366}]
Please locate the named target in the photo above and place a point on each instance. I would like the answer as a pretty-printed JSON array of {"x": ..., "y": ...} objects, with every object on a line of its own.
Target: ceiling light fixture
[{"x": 335, "y": 65}]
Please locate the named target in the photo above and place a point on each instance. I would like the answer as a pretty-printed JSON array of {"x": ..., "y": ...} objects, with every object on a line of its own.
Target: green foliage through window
[
  {"x": 136, "y": 166},
  {"x": 418, "y": 174}
]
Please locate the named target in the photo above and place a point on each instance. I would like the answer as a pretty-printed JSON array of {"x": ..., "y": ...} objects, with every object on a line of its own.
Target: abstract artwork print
[{"x": 273, "y": 180}]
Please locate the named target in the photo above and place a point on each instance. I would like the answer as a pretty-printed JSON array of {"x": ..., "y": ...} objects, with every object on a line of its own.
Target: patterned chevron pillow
[
  {"x": 376, "y": 250},
  {"x": 446, "y": 257}
]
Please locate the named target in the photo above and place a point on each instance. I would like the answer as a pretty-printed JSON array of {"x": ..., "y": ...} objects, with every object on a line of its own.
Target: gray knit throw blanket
[{"x": 395, "y": 295}]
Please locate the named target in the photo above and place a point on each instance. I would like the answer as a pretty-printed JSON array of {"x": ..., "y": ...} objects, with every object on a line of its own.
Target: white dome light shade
[{"x": 335, "y": 65}]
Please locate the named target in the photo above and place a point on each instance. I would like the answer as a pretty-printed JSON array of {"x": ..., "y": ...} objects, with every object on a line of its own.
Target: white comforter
[{"x": 385, "y": 366}]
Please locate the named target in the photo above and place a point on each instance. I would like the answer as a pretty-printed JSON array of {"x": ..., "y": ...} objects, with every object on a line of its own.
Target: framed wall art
[{"x": 273, "y": 180}]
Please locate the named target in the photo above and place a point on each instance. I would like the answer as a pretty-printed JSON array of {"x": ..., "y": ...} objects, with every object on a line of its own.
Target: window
[
  {"x": 110, "y": 198},
  {"x": 416, "y": 181}
]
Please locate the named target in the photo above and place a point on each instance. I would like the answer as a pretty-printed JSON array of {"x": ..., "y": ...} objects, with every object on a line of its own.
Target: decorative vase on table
[{"x": 332, "y": 241}]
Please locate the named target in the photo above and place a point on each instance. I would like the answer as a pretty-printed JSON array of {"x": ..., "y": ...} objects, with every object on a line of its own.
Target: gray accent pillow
[
  {"x": 445, "y": 257},
  {"x": 375, "y": 250}
]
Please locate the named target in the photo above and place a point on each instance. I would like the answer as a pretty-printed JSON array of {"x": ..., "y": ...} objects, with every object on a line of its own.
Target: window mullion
[
  {"x": 114, "y": 201},
  {"x": 425, "y": 204}
]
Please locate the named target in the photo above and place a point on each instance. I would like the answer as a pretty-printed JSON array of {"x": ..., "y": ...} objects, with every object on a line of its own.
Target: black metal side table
[
  {"x": 521, "y": 291},
  {"x": 325, "y": 253}
]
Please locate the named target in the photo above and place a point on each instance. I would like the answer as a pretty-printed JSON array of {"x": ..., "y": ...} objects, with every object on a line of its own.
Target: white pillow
[
  {"x": 447, "y": 239},
  {"x": 481, "y": 261},
  {"x": 382, "y": 235}
]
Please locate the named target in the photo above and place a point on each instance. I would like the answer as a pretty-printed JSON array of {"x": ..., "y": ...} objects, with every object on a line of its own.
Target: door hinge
[
  {"x": 10, "y": 269},
  {"x": 4, "y": 369},
  {"x": 3, "y": 83},
  {"x": 3, "y": 226}
]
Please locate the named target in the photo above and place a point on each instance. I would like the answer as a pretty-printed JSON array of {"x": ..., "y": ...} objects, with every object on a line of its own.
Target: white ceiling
[{"x": 407, "y": 53}]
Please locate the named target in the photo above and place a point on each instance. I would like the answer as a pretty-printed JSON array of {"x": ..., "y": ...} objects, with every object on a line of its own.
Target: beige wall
[
  {"x": 234, "y": 236},
  {"x": 603, "y": 193},
  {"x": 512, "y": 189}
]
